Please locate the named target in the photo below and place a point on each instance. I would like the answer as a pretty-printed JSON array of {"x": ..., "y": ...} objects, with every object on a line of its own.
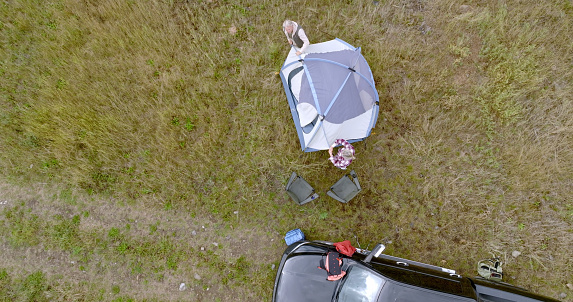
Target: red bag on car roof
[{"x": 345, "y": 248}]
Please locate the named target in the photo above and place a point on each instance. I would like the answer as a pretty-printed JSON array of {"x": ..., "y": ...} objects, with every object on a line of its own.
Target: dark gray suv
[{"x": 373, "y": 276}]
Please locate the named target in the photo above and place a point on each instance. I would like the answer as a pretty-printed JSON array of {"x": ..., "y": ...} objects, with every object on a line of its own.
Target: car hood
[{"x": 301, "y": 280}]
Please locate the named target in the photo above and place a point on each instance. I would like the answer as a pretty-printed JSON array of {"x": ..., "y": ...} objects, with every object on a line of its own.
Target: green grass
[{"x": 147, "y": 144}]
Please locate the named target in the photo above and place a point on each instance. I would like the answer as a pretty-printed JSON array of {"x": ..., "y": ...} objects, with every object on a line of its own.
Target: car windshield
[{"x": 360, "y": 285}]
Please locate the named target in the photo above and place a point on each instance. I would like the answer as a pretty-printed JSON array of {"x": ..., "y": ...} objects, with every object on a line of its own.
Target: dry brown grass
[{"x": 169, "y": 113}]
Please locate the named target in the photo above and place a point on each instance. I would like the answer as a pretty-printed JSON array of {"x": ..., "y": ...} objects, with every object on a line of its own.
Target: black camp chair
[
  {"x": 346, "y": 188},
  {"x": 299, "y": 190}
]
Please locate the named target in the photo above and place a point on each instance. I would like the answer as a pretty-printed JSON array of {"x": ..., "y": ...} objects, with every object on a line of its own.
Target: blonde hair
[{"x": 347, "y": 154}]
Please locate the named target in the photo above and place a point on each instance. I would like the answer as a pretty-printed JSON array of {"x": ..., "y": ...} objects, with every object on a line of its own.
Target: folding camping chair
[
  {"x": 346, "y": 188},
  {"x": 299, "y": 190}
]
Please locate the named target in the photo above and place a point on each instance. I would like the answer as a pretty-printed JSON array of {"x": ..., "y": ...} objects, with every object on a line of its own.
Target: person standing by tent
[
  {"x": 295, "y": 36},
  {"x": 344, "y": 156}
]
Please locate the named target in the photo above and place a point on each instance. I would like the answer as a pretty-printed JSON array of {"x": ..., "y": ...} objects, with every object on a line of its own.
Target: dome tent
[{"x": 331, "y": 94}]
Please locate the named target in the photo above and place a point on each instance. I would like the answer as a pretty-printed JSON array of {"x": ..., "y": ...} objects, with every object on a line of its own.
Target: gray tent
[{"x": 331, "y": 94}]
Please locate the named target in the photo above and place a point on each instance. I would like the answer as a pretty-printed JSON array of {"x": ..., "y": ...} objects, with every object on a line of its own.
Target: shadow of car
[{"x": 373, "y": 276}]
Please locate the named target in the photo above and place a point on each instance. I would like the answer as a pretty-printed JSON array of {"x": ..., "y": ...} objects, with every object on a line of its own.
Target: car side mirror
[{"x": 376, "y": 251}]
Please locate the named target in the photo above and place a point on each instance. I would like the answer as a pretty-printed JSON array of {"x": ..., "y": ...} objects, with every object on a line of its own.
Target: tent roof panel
[{"x": 337, "y": 81}]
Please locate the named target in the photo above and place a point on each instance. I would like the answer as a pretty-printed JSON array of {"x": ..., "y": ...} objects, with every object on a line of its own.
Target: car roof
[
  {"x": 409, "y": 280},
  {"x": 401, "y": 292}
]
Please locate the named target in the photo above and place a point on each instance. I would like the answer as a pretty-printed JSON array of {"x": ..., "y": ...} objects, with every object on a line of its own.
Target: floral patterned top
[{"x": 338, "y": 160}]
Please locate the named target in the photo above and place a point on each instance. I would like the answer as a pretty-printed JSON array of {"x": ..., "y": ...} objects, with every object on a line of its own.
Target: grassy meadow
[{"x": 146, "y": 143}]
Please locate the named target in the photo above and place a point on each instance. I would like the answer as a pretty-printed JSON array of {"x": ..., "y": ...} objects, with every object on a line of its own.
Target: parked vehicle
[{"x": 373, "y": 276}]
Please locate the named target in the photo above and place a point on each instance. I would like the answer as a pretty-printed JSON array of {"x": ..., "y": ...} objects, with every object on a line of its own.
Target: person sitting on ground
[
  {"x": 344, "y": 156},
  {"x": 296, "y": 36}
]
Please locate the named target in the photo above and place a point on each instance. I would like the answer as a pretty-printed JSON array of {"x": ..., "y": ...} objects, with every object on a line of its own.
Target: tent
[{"x": 331, "y": 94}]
